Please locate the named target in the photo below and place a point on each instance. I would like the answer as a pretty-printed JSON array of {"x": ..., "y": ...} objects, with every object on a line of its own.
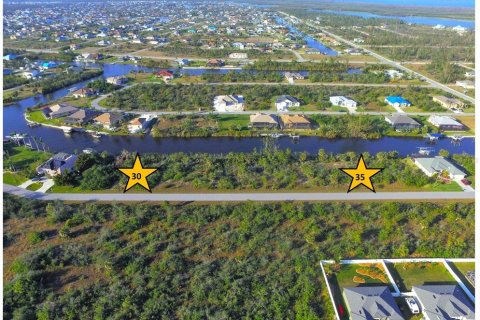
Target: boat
[
  {"x": 456, "y": 138},
  {"x": 96, "y": 134},
  {"x": 294, "y": 136},
  {"x": 66, "y": 129},
  {"x": 88, "y": 150},
  {"x": 425, "y": 151},
  {"x": 33, "y": 124}
]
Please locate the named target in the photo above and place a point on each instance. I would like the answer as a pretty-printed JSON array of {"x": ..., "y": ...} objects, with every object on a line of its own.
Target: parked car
[
  {"x": 466, "y": 182},
  {"x": 413, "y": 305}
]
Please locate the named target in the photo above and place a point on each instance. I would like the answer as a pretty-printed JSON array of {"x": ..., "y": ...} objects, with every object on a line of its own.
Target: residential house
[
  {"x": 119, "y": 80},
  {"x": 31, "y": 74},
  {"x": 466, "y": 84},
  {"x": 446, "y": 123},
  {"x": 58, "y": 110},
  {"x": 82, "y": 116},
  {"x": 83, "y": 92},
  {"x": 402, "y": 122},
  {"x": 345, "y": 102},
  {"x": 238, "y": 55},
  {"x": 371, "y": 302},
  {"x": 449, "y": 103},
  {"x": 230, "y": 103},
  {"x": 436, "y": 165},
  {"x": 444, "y": 302},
  {"x": 139, "y": 124},
  {"x": 166, "y": 75},
  {"x": 261, "y": 120},
  {"x": 49, "y": 65},
  {"x": 470, "y": 74},
  {"x": 108, "y": 120},
  {"x": 397, "y": 101},
  {"x": 75, "y": 46},
  {"x": 58, "y": 164},
  {"x": 182, "y": 62},
  {"x": 215, "y": 63},
  {"x": 394, "y": 74},
  {"x": 296, "y": 121},
  {"x": 291, "y": 76},
  {"x": 285, "y": 102}
]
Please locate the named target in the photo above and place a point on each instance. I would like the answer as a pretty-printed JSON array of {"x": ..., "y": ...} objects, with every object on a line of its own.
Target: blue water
[
  {"x": 311, "y": 42},
  {"x": 430, "y": 21},
  {"x": 427, "y": 3}
]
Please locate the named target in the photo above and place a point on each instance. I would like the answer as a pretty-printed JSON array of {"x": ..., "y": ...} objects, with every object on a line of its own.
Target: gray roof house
[
  {"x": 438, "y": 164},
  {"x": 368, "y": 303},
  {"x": 57, "y": 164},
  {"x": 444, "y": 302},
  {"x": 400, "y": 121},
  {"x": 81, "y": 116},
  {"x": 59, "y": 110}
]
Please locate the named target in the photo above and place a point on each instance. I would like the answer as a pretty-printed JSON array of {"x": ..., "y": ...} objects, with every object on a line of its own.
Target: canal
[{"x": 56, "y": 140}]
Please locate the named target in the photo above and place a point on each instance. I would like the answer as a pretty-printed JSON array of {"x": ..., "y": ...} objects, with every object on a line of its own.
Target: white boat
[
  {"x": 88, "y": 150},
  {"x": 425, "y": 151},
  {"x": 66, "y": 129},
  {"x": 96, "y": 134}
]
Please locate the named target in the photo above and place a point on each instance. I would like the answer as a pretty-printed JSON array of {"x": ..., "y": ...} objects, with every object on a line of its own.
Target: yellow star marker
[
  {"x": 361, "y": 175},
  {"x": 137, "y": 175}
]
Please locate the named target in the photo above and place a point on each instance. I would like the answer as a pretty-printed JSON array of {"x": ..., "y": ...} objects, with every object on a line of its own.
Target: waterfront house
[
  {"x": 397, "y": 101},
  {"x": 444, "y": 302},
  {"x": 108, "y": 120},
  {"x": 229, "y": 103},
  {"x": 345, "y": 102},
  {"x": 58, "y": 164},
  {"x": 215, "y": 63},
  {"x": 436, "y": 165},
  {"x": 58, "y": 110},
  {"x": 166, "y": 75},
  {"x": 31, "y": 74},
  {"x": 283, "y": 103},
  {"x": 83, "y": 92},
  {"x": 10, "y": 56},
  {"x": 402, "y": 122},
  {"x": 291, "y": 76},
  {"x": 446, "y": 123},
  {"x": 371, "y": 302},
  {"x": 182, "y": 62},
  {"x": 449, "y": 103},
  {"x": 238, "y": 55},
  {"x": 296, "y": 121},
  {"x": 466, "y": 84},
  {"x": 117, "y": 80},
  {"x": 261, "y": 120},
  {"x": 139, "y": 124},
  {"x": 82, "y": 116}
]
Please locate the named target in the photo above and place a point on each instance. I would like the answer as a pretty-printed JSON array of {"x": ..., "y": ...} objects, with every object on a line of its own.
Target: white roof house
[
  {"x": 57, "y": 164},
  {"x": 445, "y": 123},
  {"x": 230, "y": 103},
  {"x": 342, "y": 101},
  {"x": 466, "y": 84},
  {"x": 436, "y": 165},
  {"x": 394, "y": 74},
  {"x": 283, "y": 103},
  {"x": 140, "y": 123},
  {"x": 238, "y": 55}
]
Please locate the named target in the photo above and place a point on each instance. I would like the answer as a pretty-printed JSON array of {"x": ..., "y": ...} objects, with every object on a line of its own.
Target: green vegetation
[
  {"x": 102, "y": 86},
  {"x": 191, "y": 261},
  {"x": 35, "y": 186},
  {"x": 13, "y": 81},
  {"x": 37, "y": 116},
  {"x": 153, "y": 96},
  {"x": 327, "y": 65},
  {"x": 268, "y": 169},
  {"x": 411, "y": 274},
  {"x": 445, "y": 71},
  {"x": 64, "y": 80},
  {"x": 20, "y": 163}
]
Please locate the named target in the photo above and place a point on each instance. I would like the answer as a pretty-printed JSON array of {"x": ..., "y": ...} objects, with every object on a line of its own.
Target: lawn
[
  {"x": 13, "y": 179},
  {"x": 453, "y": 186},
  {"x": 351, "y": 275},
  {"x": 411, "y": 274},
  {"x": 23, "y": 157},
  {"x": 38, "y": 116},
  {"x": 231, "y": 120},
  {"x": 461, "y": 268},
  {"x": 35, "y": 186}
]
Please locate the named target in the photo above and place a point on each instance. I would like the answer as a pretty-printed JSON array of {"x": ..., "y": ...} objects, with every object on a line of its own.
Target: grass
[
  {"x": 35, "y": 186},
  {"x": 38, "y": 116},
  {"x": 23, "y": 157},
  {"x": 231, "y": 120},
  {"x": 407, "y": 275},
  {"x": 461, "y": 268},
  {"x": 444, "y": 187},
  {"x": 347, "y": 272},
  {"x": 13, "y": 179}
]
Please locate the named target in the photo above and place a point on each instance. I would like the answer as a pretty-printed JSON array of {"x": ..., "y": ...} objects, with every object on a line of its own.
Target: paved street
[{"x": 239, "y": 196}]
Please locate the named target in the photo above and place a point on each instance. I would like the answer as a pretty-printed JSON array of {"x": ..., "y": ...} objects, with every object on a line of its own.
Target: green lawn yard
[{"x": 411, "y": 274}]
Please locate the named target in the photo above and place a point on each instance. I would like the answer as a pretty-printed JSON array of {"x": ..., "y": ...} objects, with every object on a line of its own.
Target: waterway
[
  {"x": 56, "y": 140},
  {"x": 430, "y": 21}
]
